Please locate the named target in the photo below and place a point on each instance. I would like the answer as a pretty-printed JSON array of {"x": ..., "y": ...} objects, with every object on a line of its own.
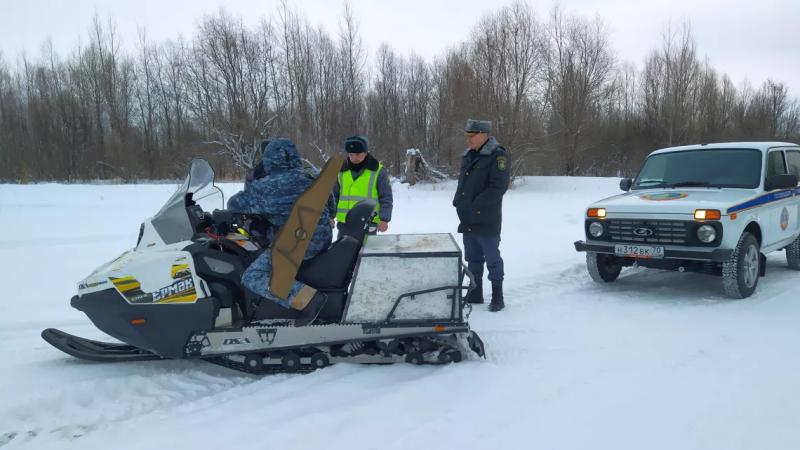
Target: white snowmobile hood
[{"x": 674, "y": 201}]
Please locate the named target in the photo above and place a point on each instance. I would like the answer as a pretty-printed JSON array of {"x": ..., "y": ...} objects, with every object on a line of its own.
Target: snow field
[{"x": 655, "y": 360}]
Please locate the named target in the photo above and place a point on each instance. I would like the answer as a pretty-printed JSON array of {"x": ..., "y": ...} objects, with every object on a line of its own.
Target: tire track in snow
[
  {"x": 509, "y": 342},
  {"x": 73, "y": 413},
  {"x": 170, "y": 391},
  {"x": 539, "y": 303}
]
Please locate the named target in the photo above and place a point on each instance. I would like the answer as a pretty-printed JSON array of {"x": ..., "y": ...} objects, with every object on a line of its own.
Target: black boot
[
  {"x": 497, "y": 297},
  {"x": 475, "y": 296},
  {"x": 311, "y": 311}
]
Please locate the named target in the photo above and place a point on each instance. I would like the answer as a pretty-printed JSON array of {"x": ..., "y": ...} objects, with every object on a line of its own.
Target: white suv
[{"x": 710, "y": 208}]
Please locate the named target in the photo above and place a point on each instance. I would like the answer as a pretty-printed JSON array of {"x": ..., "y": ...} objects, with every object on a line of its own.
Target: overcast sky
[{"x": 750, "y": 40}]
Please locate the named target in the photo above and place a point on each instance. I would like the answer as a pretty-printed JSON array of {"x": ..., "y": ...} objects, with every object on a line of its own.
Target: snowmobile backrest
[
  {"x": 359, "y": 219},
  {"x": 333, "y": 268}
]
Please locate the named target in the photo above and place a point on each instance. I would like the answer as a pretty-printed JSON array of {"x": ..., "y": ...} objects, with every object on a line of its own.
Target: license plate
[{"x": 639, "y": 251}]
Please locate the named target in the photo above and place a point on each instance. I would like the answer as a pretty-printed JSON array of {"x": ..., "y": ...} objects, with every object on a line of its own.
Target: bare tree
[
  {"x": 507, "y": 57},
  {"x": 671, "y": 79},
  {"x": 579, "y": 64},
  {"x": 454, "y": 100},
  {"x": 385, "y": 105},
  {"x": 146, "y": 80},
  {"x": 558, "y": 100},
  {"x": 352, "y": 64}
]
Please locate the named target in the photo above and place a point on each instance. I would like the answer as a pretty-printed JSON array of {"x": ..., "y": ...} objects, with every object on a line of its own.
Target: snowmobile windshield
[{"x": 176, "y": 220}]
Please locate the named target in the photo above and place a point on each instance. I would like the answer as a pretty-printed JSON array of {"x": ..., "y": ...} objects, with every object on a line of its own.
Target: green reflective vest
[{"x": 353, "y": 191}]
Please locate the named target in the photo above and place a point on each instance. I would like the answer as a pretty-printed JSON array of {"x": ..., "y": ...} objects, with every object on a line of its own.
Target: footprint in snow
[{"x": 11, "y": 435}]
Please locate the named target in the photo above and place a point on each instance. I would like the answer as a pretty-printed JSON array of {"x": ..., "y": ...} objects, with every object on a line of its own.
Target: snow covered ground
[{"x": 654, "y": 361}]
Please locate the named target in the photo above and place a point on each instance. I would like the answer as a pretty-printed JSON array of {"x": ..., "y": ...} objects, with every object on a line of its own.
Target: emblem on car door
[
  {"x": 643, "y": 231},
  {"x": 784, "y": 219}
]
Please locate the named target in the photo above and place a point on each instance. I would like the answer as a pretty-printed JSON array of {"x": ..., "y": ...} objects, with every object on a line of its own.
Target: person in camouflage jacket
[{"x": 282, "y": 180}]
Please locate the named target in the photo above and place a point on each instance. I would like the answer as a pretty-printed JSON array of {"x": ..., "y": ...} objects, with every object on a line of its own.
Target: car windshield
[
  {"x": 172, "y": 222},
  {"x": 732, "y": 168}
]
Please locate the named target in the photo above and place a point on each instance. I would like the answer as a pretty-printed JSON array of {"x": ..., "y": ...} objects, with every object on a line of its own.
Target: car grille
[{"x": 660, "y": 231}]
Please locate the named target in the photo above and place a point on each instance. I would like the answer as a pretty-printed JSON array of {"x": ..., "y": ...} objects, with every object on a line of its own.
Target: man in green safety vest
[{"x": 362, "y": 177}]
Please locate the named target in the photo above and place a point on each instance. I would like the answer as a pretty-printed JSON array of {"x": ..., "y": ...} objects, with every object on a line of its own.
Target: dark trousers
[{"x": 480, "y": 248}]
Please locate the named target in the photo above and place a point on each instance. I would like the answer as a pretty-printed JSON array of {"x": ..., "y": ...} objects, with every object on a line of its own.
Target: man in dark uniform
[{"x": 482, "y": 182}]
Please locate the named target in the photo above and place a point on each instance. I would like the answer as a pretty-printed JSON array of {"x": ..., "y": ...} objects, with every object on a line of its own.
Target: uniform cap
[
  {"x": 478, "y": 126},
  {"x": 356, "y": 144}
]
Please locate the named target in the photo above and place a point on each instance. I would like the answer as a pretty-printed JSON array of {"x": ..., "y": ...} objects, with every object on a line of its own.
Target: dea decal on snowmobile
[{"x": 178, "y": 294}]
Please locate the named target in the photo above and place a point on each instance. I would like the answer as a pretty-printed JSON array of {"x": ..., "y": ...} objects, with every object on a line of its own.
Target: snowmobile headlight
[
  {"x": 706, "y": 234},
  {"x": 596, "y": 229}
]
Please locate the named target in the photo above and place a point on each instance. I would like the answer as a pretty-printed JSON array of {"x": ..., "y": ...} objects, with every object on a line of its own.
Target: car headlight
[
  {"x": 706, "y": 234},
  {"x": 596, "y": 229}
]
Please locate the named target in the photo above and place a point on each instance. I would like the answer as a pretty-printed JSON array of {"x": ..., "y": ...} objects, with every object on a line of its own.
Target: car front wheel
[
  {"x": 793, "y": 254},
  {"x": 603, "y": 268},
  {"x": 741, "y": 271}
]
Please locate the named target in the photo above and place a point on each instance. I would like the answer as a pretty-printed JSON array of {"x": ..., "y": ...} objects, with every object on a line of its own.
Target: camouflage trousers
[{"x": 257, "y": 276}]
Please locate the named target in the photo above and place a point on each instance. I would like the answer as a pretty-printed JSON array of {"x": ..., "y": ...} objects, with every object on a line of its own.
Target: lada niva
[{"x": 709, "y": 208}]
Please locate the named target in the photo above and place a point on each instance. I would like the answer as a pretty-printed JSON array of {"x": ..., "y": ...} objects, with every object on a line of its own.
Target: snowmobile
[{"x": 178, "y": 294}]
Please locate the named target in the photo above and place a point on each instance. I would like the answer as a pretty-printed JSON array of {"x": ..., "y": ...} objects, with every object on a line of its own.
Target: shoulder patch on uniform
[{"x": 501, "y": 163}]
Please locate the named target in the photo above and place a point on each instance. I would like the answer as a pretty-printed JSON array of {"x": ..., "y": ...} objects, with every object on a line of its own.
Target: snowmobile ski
[{"x": 91, "y": 350}]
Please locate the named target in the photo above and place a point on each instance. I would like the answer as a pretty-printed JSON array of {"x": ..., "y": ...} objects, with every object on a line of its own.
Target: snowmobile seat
[{"x": 332, "y": 268}]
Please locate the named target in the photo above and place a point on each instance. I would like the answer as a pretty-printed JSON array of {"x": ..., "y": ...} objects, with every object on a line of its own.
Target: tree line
[{"x": 560, "y": 100}]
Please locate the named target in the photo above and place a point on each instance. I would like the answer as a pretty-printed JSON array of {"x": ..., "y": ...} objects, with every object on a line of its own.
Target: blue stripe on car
[{"x": 764, "y": 199}]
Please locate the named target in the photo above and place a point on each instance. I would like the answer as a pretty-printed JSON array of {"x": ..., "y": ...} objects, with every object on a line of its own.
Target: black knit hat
[{"x": 356, "y": 144}]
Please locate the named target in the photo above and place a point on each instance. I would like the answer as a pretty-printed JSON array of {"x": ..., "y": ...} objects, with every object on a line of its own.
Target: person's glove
[{"x": 256, "y": 173}]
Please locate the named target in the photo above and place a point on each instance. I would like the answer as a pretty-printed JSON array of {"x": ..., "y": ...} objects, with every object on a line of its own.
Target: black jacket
[{"x": 482, "y": 182}]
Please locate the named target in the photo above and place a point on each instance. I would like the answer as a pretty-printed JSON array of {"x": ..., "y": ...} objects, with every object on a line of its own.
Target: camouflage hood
[
  {"x": 274, "y": 194},
  {"x": 280, "y": 155}
]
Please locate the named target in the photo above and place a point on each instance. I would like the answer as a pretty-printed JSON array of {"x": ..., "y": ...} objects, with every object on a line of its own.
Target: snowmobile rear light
[
  {"x": 600, "y": 213},
  {"x": 707, "y": 214},
  {"x": 438, "y": 328},
  {"x": 139, "y": 321}
]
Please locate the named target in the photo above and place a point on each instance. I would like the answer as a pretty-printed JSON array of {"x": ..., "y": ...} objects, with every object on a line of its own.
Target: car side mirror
[
  {"x": 780, "y": 182},
  {"x": 625, "y": 184}
]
